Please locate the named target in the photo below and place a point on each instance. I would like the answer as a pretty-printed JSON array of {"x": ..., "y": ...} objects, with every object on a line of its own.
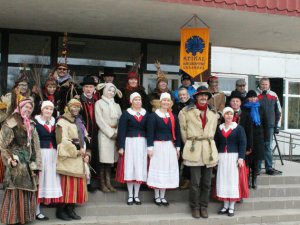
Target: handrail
[{"x": 294, "y": 141}]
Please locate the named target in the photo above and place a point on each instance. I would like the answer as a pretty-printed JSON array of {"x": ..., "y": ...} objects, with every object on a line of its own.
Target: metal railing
[{"x": 292, "y": 139}]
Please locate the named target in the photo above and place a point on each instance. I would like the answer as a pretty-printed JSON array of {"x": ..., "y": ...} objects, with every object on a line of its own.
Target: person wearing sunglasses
[{"x": 67, "y": 88}]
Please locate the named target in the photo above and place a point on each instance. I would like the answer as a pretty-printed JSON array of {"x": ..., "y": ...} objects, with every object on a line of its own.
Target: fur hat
[{"x": 165, "y": 95}]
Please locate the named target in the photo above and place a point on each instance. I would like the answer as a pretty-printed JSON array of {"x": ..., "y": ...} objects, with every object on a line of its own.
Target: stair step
[
  {"x": 274, "y": 190},
  {"x": 253, "y": 217},
  {"x": 148, "y": 208}
]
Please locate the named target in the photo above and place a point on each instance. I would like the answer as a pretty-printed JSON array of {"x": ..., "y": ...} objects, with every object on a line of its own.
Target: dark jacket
[
  {"x": 129, "y": 126},
  {"x": 270, "y": 103},
  {"x": 235, "y": 142},
  {"x": 47, "y": 139},
  {"x": 180, "y": 105},
  {"x": 159, "y": 131},
  {"x": 260, "y": 136}
]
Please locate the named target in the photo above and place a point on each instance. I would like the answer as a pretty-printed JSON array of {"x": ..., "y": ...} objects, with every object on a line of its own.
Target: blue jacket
[{"x": 191, "y": 91}]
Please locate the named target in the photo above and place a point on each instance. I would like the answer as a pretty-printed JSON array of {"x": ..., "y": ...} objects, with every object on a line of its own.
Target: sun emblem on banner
[{"x": 194, "y": 44}]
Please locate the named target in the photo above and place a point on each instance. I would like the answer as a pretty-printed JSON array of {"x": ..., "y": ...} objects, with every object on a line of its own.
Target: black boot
[
  {"x": 71, "y": 212},
  {"x": 254, "y": 184},
  {"x": 61, "y": 213},
  {"x": 249, "y": 181}
]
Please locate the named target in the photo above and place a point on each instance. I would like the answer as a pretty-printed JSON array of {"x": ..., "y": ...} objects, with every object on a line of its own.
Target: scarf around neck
[
  {"x": 111, "y": 106},
  {"x": 254, "y": 113}
]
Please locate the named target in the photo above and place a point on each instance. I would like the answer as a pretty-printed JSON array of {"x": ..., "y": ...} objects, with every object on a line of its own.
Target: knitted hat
[
  {"x": 226, "y": 110},
  {"x": 251, "y": 93},
  {"x": 165, "y": 95},
  {"x": 133, "y": 75},
  {"x": 134, "y": 95},
  {"x": 47, "y": 103}
]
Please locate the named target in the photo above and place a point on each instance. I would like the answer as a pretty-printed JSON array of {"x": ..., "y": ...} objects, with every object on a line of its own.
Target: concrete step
[
  {"x": 254, "y": 217},
  {"x": 149, "y": 208},
  {"x": 274, "y": 190}
]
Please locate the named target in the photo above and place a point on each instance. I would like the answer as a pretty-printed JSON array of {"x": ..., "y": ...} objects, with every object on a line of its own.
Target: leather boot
[
  {"x": 61, "y": 213},
  {"x": 203, "y": 212},
  {"x": 195, "y": 213},
  {"x": 107, "y": 179},
  {"x": 71, "y": 212},
  {"x": 102, "y": 186}
]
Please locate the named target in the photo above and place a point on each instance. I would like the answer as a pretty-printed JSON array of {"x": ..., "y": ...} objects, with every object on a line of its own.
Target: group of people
[{"x": 58, "y": 140}]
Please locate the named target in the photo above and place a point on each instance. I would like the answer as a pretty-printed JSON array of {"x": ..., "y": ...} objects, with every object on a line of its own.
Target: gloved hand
[{"x": 276, "y": 130}]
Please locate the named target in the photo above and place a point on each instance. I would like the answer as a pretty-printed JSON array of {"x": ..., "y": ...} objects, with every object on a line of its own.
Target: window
[
  {"x": 14, "y": 72},
  {"x": 166, "y": 54},
  {"x": 95, "y": 52},
  {"x": 227, "y": 82},
  {"x": 291, "y": 107},
  {"x": 29, "y": 49}
]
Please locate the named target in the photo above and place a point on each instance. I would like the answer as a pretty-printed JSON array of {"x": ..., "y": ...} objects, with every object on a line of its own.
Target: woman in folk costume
[
  {"x": 20, "y": 150},
  {"x": 260, "y": 135},
  {"x": 161, "y": 87},
  {"x": 48, "y": 94},
  {"x": 163, "y": 140},
  {"x": 72, "y": 161},
  {"x": 107, "y": 114},
  {"x": 20, "y": 91},
  {"x": 231, "y": 143},
  {"x": 133, "y": 146},
  {"x": 49, "y": 190},
  {"x": 132, "y": 86}
]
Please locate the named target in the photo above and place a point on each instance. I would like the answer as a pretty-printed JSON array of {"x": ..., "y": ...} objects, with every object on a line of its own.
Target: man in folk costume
[
  {"x": 198, "y": 125},
  {"x": 161, "y": 87},
  {"x": 217, "y": 101},
  {"x": 88, "y": 99},
  {"x": 67, "y": 89}
]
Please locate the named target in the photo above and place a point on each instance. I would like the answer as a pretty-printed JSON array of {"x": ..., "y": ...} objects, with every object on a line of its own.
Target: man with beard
[{"x": 198, "y": 126}]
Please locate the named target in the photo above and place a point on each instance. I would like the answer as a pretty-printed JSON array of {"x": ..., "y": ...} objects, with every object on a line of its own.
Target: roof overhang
[{"x": 153, "y": 19}]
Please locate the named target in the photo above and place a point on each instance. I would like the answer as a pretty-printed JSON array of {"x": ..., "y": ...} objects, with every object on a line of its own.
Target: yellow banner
[{"x": 194, "y": 49}]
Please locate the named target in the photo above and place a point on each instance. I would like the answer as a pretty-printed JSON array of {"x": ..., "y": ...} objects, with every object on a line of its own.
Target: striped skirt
[
  {"x": 18, "y": 206},
  {"x": 74, "y": 189}
]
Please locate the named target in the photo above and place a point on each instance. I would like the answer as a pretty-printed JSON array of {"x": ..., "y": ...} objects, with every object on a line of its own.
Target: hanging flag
[{"x": 194, "y": 49}]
